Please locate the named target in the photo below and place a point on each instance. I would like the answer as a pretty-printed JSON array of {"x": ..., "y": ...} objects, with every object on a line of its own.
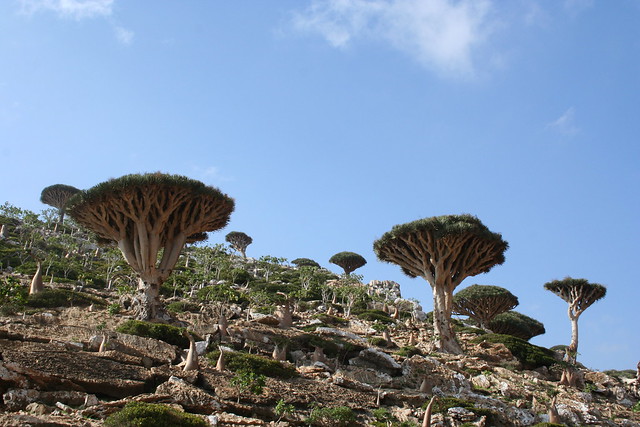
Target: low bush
[
  {"x": 182, "y": 306},
  {"x": 375, "y": 315},
  {"x": 167, "y": 333},
  {"x": 342, "y": 416},
  {"x": 237, "y": 361},
  {"x": 408, "y": 351},
  {"x": 141, "y": 414},
  {"x": 529, "y": 355},
  {"x": 52, "y": 298}
]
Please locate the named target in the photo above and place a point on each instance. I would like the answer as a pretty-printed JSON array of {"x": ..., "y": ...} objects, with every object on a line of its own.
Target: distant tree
[
  {"x": 239, "y": 241},
  {"x": 151, "y": 217},
  {"x": 349, "y": 261},
  {"x": 483, "y": 302},
  {"x": 580, "y": 294},
  {"x": 58, "y": 195},
  {"x": 443, "y": 250},
  {"x": 305, "y": 262},
  {"x": 517, "y": 325}
]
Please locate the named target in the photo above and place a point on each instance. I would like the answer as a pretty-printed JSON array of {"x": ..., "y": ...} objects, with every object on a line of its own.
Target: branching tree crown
[
  {"x": 517, "y": 325},
  {"x": 580, "y": 294},
  {"x": 483, "y": 302},
  {"x": 239, "y": 241},
  {"x": 148, "y": 215},
  {"x": 349, "y": 261},
  {"x": 305, "y": 262},
  {"x": 58, "y": 195},
  {"x": 443, "y": 250}
]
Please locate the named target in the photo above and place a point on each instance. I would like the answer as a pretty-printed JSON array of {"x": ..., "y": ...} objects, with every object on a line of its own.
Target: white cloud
[
  {"x": 440, "y": 34},
  {"x": 76, "y": 9},
  {"x": 123, "y": 35},
  {"x": 209, "y": 174},
  {"x": 565, "y": 124}
]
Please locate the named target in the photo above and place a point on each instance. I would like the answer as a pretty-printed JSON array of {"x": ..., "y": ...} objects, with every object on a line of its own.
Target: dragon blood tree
[
  {"x": 517, "y": 325},
  {"x": 151, "y": 217},
  {"x": 580, "y": 294},
  {"x": 58, "y": 195},
  {"x": 482, "y": 303},
  {"x": 239, "y": 241},
  {"x": 443, "y": 250},
  {"x": 349, "y": 261}
]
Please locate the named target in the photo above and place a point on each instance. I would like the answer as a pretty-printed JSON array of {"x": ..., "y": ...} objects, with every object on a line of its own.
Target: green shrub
[
  {"x": 377, "y": 341},
  {"x": 636, "y": 407},
  {"x": 373, "y": 315},
  {"x": 114, "y": 308},
  {"x": 237, "y": 361},
  {"x": 141, "y": 414},
  {"x": 408, "y": 351},
  {"x": 182, "y": 306},
  {"x": 342, "y": 416},
  {"x": 529, "y": 355},
  {"x": 12, "y": 292},
  {"x": 52, "y": 298},
  {"x": 548, "y": 425},
  {"x": 167, "y": 333},
  {"x": 331, "y": 320},
  {"x": 248, "y": 381}
]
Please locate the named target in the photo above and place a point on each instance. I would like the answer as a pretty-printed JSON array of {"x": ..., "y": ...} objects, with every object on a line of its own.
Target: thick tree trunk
[
  {"x": 150, "y": 308},
  {"x": 37, "y": 285},
  {"x": 445, "y": 336}
]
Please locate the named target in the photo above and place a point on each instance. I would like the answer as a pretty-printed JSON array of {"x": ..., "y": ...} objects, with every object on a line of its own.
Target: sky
[{"x": 331, "y": 121}]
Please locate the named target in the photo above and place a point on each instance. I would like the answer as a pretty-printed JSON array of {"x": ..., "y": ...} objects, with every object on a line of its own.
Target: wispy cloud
[
  {"x": 75, "y": 9},
  {"x": 123, "y": 35},
  {"x": 566, "y": 123},
  {"x": 440, "y": 34},
  {"x": 209, "y": 174}
]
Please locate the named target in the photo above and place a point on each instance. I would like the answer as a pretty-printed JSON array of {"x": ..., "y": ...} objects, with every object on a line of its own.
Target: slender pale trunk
[
  {"x": 37, "y": 285},
  {"x": 192, "y": 357},
  {"x": 445, "y": 336},
  {"x": 573, "y": 316}
]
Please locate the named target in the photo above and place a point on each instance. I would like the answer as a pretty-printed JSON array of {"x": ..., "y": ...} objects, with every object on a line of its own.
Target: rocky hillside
[{"x": 69, "y": 366}]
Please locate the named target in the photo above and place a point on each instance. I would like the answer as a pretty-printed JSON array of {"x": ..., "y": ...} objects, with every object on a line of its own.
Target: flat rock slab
[{"x": 54, "y": 369}]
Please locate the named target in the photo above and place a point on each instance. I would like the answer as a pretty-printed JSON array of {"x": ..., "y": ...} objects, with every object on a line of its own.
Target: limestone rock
[
  {"x": 377, "y": 359},
  {"x": 190, "y": 397}
]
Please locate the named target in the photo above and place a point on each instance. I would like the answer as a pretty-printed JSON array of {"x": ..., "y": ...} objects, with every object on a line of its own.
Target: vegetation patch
[
  {"x": 52, "y": 298},
  {"x": 141, "y": 414},
  {"x": 183, "y": 306},
  {"x": 167, "y": 333},
  {"x": 375, "y": 315},
  {"x": 408, "y": 351},
  {"x": 237, "y": 361},
  {"x": 529, "y": 355},
  {"x": 342, "y": 416}
]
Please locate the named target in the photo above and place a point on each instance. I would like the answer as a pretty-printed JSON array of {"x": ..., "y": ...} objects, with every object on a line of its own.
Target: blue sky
[{"x": 330, "y": 121}]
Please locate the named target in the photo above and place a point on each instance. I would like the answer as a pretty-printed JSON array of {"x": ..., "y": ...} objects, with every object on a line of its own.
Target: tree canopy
[
  {"x": 349, "y": 261},
  {"x": 58, "y": 195},
  {"x": 149, "y": 214},
  {"x": 517, "y": 325},
  {"x": 443, "y": 250},
  {"x": 483, "y": 302},
  {"x": 305, "y": 262},
  {"x": 239, "y": 241}
]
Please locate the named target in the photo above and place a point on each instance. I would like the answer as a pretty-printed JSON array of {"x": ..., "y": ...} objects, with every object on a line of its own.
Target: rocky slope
[{"x": 52, "y": 373}]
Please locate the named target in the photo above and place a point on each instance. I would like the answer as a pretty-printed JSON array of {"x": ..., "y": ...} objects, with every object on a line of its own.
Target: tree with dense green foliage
[
  {"x": 151, "y": 217},
  {"x": 58, "y": 195},
  {"x": 239, "y": 241},
  {"x": 305, "y": 262},
  {"x": 483, "y": 302},
  {"x": 443, "y": 250},
  {"x": 349, "y": 261},
  {"x": 517, "y": 325},
  {"x": 580, "y": 294}
]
